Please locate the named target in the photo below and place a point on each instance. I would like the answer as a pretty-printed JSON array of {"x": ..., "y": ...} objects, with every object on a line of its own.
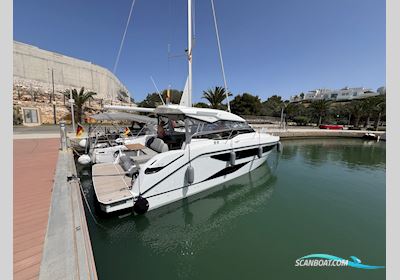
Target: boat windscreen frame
[
  {"x": 222, "y": 129},
  {"x": 196, "y": 128}
]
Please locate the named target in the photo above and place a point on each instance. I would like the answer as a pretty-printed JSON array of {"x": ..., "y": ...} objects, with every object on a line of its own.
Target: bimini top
[
  {"x": 122, "y": 116},
  {"x": 204, "y": 114}
]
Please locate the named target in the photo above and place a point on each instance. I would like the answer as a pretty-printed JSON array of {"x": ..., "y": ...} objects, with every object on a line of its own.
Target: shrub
[{"x": 301, "y": 120}]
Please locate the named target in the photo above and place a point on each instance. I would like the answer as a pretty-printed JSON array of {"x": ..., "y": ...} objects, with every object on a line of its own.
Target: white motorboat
[
  {"x": 370, "y": 136},
  {"x": 216, "y": 146},
  {"x": 195, "y": 149}
]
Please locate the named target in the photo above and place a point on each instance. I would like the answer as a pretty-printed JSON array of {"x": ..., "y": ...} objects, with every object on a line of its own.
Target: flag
[
  {"x": 127, "y": 131},
  {"x": 79, "y": 130}
]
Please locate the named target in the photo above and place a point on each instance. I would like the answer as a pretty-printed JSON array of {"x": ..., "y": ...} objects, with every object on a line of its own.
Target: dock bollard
[{"x": 63, "y": 136}]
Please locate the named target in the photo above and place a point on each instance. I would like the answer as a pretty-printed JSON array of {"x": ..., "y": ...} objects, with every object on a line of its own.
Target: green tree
[
  {"x": 340, "y": 112},
  {"x": 80, "y": 99},
  {"x": 246, "y": 104},
  {"x": 175, "y": 95},
  {"x": 200, "y": 105},
  {"x": 355, "y": 108},
  {"x": 17, "y": 117},
  {"x": 152, "y": 100},
  {"x": 380, "y": 110},
  {"x": 215, "y": 97},
  {"x": 319, "y": 109},
  {"x": 369, "y": 105},
  {"x": 272, "y": 106},
  {"x": 294, "y": 110}
]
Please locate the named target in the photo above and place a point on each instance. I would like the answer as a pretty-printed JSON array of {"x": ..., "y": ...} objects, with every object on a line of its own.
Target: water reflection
[
  {"x": 355, "y": 153},
  {"x": 189, "y": 225},
  {"x": 194, "y": 224}
]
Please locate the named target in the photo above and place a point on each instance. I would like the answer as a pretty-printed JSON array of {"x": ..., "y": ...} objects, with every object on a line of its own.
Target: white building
[{"x": 344, "y": 94}]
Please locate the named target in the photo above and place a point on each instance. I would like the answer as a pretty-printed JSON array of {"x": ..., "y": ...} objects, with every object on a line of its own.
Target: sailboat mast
[{"x": 189, "y": 53}]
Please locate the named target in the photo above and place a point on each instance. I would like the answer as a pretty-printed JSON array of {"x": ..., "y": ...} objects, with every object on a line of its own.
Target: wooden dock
[
  {"x": 50, "y": 234},
  {"x": 34, "y": 168}
]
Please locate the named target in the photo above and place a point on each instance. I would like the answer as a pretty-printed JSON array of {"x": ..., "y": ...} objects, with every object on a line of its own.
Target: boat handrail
[{"x": 140, "y": 131}]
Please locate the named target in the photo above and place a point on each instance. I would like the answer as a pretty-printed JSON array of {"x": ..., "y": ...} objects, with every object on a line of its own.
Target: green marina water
[{"x": 323, "y": 196}]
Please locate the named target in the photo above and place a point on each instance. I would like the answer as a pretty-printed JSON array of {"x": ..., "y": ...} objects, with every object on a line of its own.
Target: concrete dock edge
[
  {"x": 317, "y": 133},
  {"x": 67, "y": 252}
]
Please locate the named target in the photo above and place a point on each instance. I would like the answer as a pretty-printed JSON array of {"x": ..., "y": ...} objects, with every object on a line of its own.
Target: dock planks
[{"x": 34, "y": 167}]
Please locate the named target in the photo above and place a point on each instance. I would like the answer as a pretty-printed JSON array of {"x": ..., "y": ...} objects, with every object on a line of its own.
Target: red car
[{"x": 330, "y": 126}]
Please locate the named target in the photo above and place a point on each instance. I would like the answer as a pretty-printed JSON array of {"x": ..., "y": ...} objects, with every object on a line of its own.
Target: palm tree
[
  {"x": 215, "y": 97},
  {"x": 369, "y": 105},
  {"x": 355, "y": 108},
  {"x": 80, "y": 99},
  {"x": 320, "y": 109},
  {"x": 380, "y": 109}
]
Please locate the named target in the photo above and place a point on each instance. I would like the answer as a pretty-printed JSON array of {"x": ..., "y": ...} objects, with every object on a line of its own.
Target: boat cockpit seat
[
  {"x": 154, "y": 146},
  {"x": 157, "y": 145},
  {"x": 128, "y": 165}
]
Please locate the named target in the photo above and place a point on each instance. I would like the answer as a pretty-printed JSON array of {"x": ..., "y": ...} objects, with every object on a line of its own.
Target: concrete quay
[
  {"x": 67, "y": 252},
  {"x": 293, "y": 133}
]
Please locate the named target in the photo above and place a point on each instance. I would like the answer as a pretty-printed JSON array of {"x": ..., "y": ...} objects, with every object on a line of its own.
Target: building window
[{"x": 30, "y": 116}]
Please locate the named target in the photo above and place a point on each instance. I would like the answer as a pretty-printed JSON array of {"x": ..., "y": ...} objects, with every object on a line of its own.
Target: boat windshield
[
  {"x": 217, "y": 130},
  {"x": 172, "y": 129}
]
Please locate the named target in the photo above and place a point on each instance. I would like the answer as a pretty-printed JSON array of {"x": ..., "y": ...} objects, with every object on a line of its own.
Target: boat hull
[
  {"x": 199, "y": 166},
  {"x": 189, "y": 190}
]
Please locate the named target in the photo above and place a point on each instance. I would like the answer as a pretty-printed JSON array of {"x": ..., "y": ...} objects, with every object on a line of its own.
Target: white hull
[
  {"x": 170, "y": 183},
  {"x": 184, "y": 192}
]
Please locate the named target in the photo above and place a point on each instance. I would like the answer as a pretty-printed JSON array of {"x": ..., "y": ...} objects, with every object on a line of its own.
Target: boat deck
[{"x": 110, "y": 183}]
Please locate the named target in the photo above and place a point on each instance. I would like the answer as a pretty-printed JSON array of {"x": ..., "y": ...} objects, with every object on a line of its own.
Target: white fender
[
  {"x": 84, "y": 159},
  {"x": 83, "y": 143}
]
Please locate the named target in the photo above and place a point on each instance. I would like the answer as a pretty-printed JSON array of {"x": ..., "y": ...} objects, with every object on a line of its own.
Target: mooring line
[{"x": 87, "y": 204}]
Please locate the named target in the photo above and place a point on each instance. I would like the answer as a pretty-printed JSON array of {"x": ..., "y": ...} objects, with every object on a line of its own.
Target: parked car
[{"x": 331, "y": 126}]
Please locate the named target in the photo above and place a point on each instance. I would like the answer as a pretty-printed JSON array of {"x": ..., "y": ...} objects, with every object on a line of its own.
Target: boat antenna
[
  {"x": 220, "y": 54},
  {"x": 123, "y": 37},
  {"x": 159, "y": 94}
]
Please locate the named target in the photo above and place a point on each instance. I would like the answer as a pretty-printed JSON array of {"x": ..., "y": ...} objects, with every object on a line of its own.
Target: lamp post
[
  {"x": 72, "y": 101},
  {"x": 54, "y": 100}
]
